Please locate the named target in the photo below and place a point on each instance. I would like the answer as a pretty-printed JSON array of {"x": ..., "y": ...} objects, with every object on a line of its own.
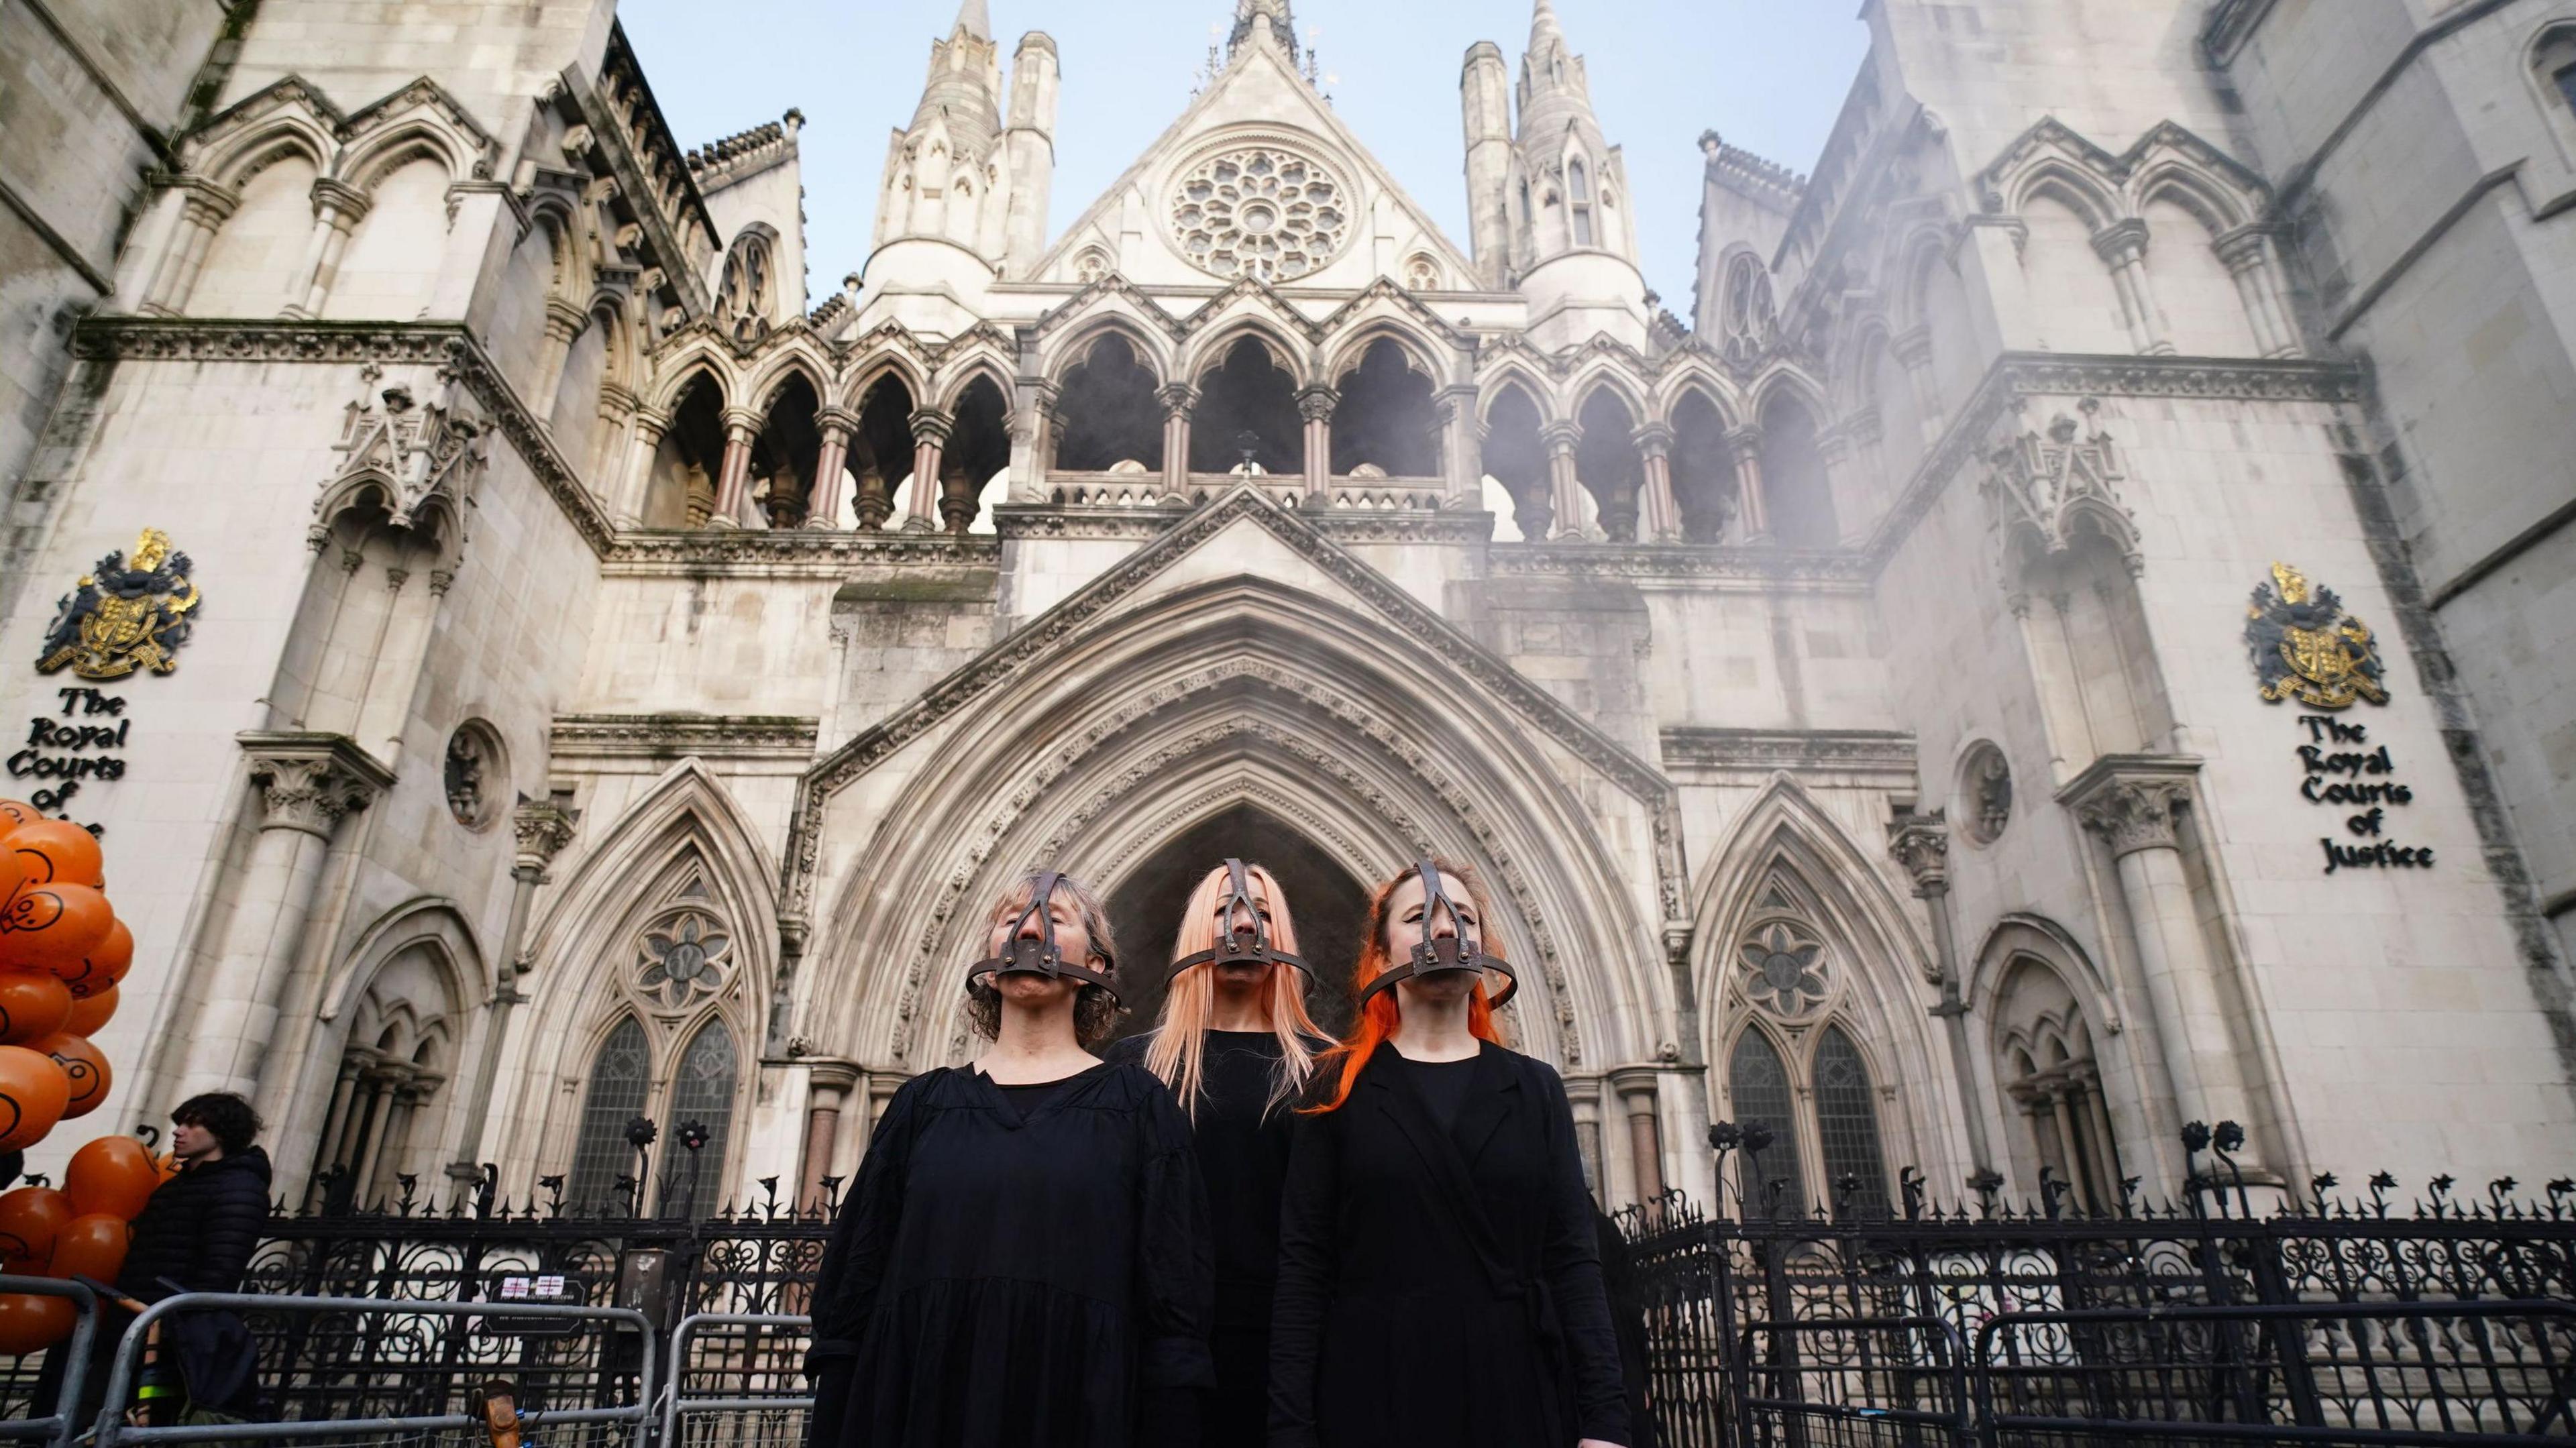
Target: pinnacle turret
[{"x": 1274, "y": 13}]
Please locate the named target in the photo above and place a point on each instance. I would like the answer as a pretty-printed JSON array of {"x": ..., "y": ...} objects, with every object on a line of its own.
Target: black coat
[
  {"x": 1442, "y": 1289},
  {"x": 199, "y": 1228},
  {"x": 997, "y": 1281}
]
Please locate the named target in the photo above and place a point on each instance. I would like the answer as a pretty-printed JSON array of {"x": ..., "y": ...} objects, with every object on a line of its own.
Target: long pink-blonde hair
[{"x": 1178, "y": 1051}]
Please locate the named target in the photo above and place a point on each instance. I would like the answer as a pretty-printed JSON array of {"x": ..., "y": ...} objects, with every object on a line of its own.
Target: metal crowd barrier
[
  {"x": 1835, "y": 1382},
  {"x": 113, "y": 1430},
  {"x": 764, "y": 1419},
  {"x": 57, "y": 1429}
]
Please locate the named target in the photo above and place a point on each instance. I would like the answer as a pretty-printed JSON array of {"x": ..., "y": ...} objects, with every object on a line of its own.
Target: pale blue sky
[{"x": 1768, "y": 74}]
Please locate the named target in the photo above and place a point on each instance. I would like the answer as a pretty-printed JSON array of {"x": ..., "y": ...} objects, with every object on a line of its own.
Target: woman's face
[
  {"x": 1244, "y": 973},
  {"x": 1404, "y": 931},
  {"x": 1072, "y": 940}
]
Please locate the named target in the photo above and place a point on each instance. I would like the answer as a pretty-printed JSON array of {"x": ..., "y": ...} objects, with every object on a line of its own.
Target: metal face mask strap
[
  {"x": 1021, "y": 955},
  {"x": 1245, "y": 943},
  {"x": 1456, "y": 952}
]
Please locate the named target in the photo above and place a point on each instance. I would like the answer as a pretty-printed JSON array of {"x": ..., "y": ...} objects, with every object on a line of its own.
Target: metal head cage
[
  {"x": 1041, "y": 955},
  {"x": 1453, "y": 952},
  {"x": 1241, "y": 939}
]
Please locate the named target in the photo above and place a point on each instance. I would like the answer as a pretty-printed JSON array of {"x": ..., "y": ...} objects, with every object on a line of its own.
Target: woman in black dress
[
  {"x": 1023, "y": 1261},
  {"x": 1236, "y": 1047},
  {"x": 1439, "y": 1285}
]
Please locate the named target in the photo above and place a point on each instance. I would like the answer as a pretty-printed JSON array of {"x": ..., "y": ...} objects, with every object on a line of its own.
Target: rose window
[
  {"x": 683, "y": 958},
  {"x": 1262, "y": 213},
  {"x": 1784, "y": 968}
]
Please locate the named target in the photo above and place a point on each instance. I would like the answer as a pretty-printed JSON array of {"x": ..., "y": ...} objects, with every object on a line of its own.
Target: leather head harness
[
  {"x": 1022, "y": 955},
  {"x": 1242, "y": 937},
  {"x": 1452, "y": 952}
]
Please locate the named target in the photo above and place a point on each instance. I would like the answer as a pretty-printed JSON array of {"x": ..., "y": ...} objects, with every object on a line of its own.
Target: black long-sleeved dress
[
  {"x": 1242, "y": 1153},
  {"x": 1441, "y": 1288},
  {"x": 1001, "y": 1282}
]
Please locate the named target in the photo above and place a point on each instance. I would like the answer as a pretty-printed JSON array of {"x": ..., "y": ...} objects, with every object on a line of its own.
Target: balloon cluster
[{"x": 62, "y": 951}]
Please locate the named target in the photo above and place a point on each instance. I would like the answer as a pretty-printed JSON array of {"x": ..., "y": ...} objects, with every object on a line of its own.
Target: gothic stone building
[{"x": 618, "y": 681}]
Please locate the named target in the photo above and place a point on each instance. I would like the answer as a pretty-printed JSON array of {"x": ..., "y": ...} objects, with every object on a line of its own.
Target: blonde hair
[
  {"x": 1095, "y": 1011},
  {"x": 1178, "y": 1051}
]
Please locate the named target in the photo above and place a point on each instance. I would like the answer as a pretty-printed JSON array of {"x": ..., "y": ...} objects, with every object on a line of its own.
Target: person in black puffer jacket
[
  {"x": 200, "y": 1227},
  {"x": 196, "y": 1233}
]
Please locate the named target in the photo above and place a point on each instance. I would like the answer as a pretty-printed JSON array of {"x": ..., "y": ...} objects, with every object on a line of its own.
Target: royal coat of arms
[
  {"x": 128, "y": 615},
  {"x": 2305, "y": 647}
]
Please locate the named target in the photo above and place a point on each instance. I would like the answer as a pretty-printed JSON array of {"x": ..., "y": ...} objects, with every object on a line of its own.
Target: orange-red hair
[{"x": 1383, "y": 1014}]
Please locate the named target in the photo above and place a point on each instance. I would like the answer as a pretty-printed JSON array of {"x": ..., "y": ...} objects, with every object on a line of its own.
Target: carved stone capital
[
  {"x": 2121, "y": 242},
  {"x": 1921, "y": 843},
  {"x": 1316, "y": 404},
  {"x": 840, "y": 420},
  {"x": 1561, "y": 436},
  {"x": 338, "y": 202},
  {"x": 931, "y": 425},
  {"x": 1744, "y": 440},
  {"x": 564, "y": 321},
  {"x": 742, "y": 421},
  {"x": 1178, "y": 399},
  {"x": 2131, "y": 800},
  {"x": 310, "y": 782},
  {"x": 1655, "y": 439},
  {"x": 1913, "y": 348},
  {"x": 543, "y": 828}
]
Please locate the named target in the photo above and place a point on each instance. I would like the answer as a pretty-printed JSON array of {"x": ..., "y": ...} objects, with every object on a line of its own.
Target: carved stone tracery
[{"x": 2042, "y": 490}]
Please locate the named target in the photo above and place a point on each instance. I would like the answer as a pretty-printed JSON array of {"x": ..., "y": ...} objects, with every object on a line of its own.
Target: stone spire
[
  {"x": 1276, "y": 13},
  {"x": 975, "y": 19}
]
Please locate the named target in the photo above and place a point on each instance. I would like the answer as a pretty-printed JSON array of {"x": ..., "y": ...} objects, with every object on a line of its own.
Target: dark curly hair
[
  {"x": 228, "y": 1116},
  {"x": 1095, "y": 1010}
]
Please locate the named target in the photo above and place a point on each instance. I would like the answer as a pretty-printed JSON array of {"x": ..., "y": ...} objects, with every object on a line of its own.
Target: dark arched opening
[
  {"x": 1386, "y": 418},
  {"x": 979, "y": 446},
  {"x": 1607, "y": 461},
  {"x": 1330, "y": 909},
  {"x": 785, "y": 455},
  {"x": 1515, "y": 458},
  {"x": 1109, "y": 411},
  {"x": 681, "y": 492},
  {"x": 1248, "y": 403},
  {"x": 1793, "y": 478},
  {"x": 1703, "y": 470},
  {"x": 881, "y": 452}
]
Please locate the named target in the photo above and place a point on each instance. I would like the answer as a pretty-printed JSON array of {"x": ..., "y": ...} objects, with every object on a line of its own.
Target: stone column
[
  {"x": 2131, "y": 802},
  {"x": 2123, "y": 246},
  {"x": 1564, "y": 486},
  {"x": 2247, "y": 252},
  {"x": 337, "y": 207},
  {"x": 1177, "y": 399},
  {"x": 307, "y": 784},
  {"x": 828, "y": 1084},
  {"x": 1636, "y": 1091},
  {"x": 823, "y": 503},
  {"x": 1461, "y": 448},
  {"x": 1316, "y": 405},
  {"x": 1744, "y": 447},
  {"x": 1914, "y": 349},
  {"x": 929, "y": 437},
  {"x": 642, "y": 444},
  {"x": 543, "y": 828},
  {"x": 1663, "y": 512},
  {"x": 564, "y": 322},
  {"x": 733, "y": 480},
  {"x": 203, "y": 209},
  {"x": 391, "y": 1105},
  {"x": 1921, "y": 843}
]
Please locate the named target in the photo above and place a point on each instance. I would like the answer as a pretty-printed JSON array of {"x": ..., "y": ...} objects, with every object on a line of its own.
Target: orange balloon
[
  {"x": 29, "y": 1323},
  {"x": 113, "y": 1174},
  {"x": 91, "y": 1246},
  {"x": 16, "y": 812},
  {"x": 91, "y": 1012},
  {"x": 33, "y": 1093},
  {"x": 85, "y": 1065},
  {"x": 33, "y": 1005},
  {"x": 58, "y": 850},
  {"x": 52, "y": 927},
  {"x": 104, "y": 965},
  {"x": 30, "y": 1219}
]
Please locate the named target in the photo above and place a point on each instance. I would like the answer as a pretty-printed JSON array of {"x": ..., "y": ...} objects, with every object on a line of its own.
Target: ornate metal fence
[{"x": 2319, "y": 1318}]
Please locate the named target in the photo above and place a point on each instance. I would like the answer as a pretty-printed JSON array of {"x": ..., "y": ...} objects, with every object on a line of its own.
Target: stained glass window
[
  {"x": 1760, "y": 1086},
  {"x": 1847, "y": 1123},
  {"x": 703, "y": 1092},
  {"x": 619, "y": 1076}
]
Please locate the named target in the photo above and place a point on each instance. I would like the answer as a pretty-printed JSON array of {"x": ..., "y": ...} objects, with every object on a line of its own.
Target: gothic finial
[{"x": 1276, "y": 13}]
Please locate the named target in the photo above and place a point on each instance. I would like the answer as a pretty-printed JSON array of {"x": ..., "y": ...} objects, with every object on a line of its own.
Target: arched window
[
  {"x": 2045, "y": 1060},
  {"x": 2554, "y": 61},
  {"x": 620, "y": 1075},
  {"x": 1744, "y": 324},
  {"x": 1759, "y": 1083},
  {"x": 1847, "y": 1123},
  {"x": 702, "y": 1094},
  {"x": 1578, "y": 186}
]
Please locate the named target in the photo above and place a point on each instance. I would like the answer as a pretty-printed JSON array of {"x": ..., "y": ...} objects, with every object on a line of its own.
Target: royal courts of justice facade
[{"x": 565, "y": 668}]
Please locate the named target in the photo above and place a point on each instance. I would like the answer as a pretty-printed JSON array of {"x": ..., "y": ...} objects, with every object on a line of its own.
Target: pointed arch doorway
[{"x": 1330, "y": 907}]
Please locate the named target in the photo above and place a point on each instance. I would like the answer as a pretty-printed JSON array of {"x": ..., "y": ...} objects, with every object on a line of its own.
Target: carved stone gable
[{"x": 2043, "y": 489}]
